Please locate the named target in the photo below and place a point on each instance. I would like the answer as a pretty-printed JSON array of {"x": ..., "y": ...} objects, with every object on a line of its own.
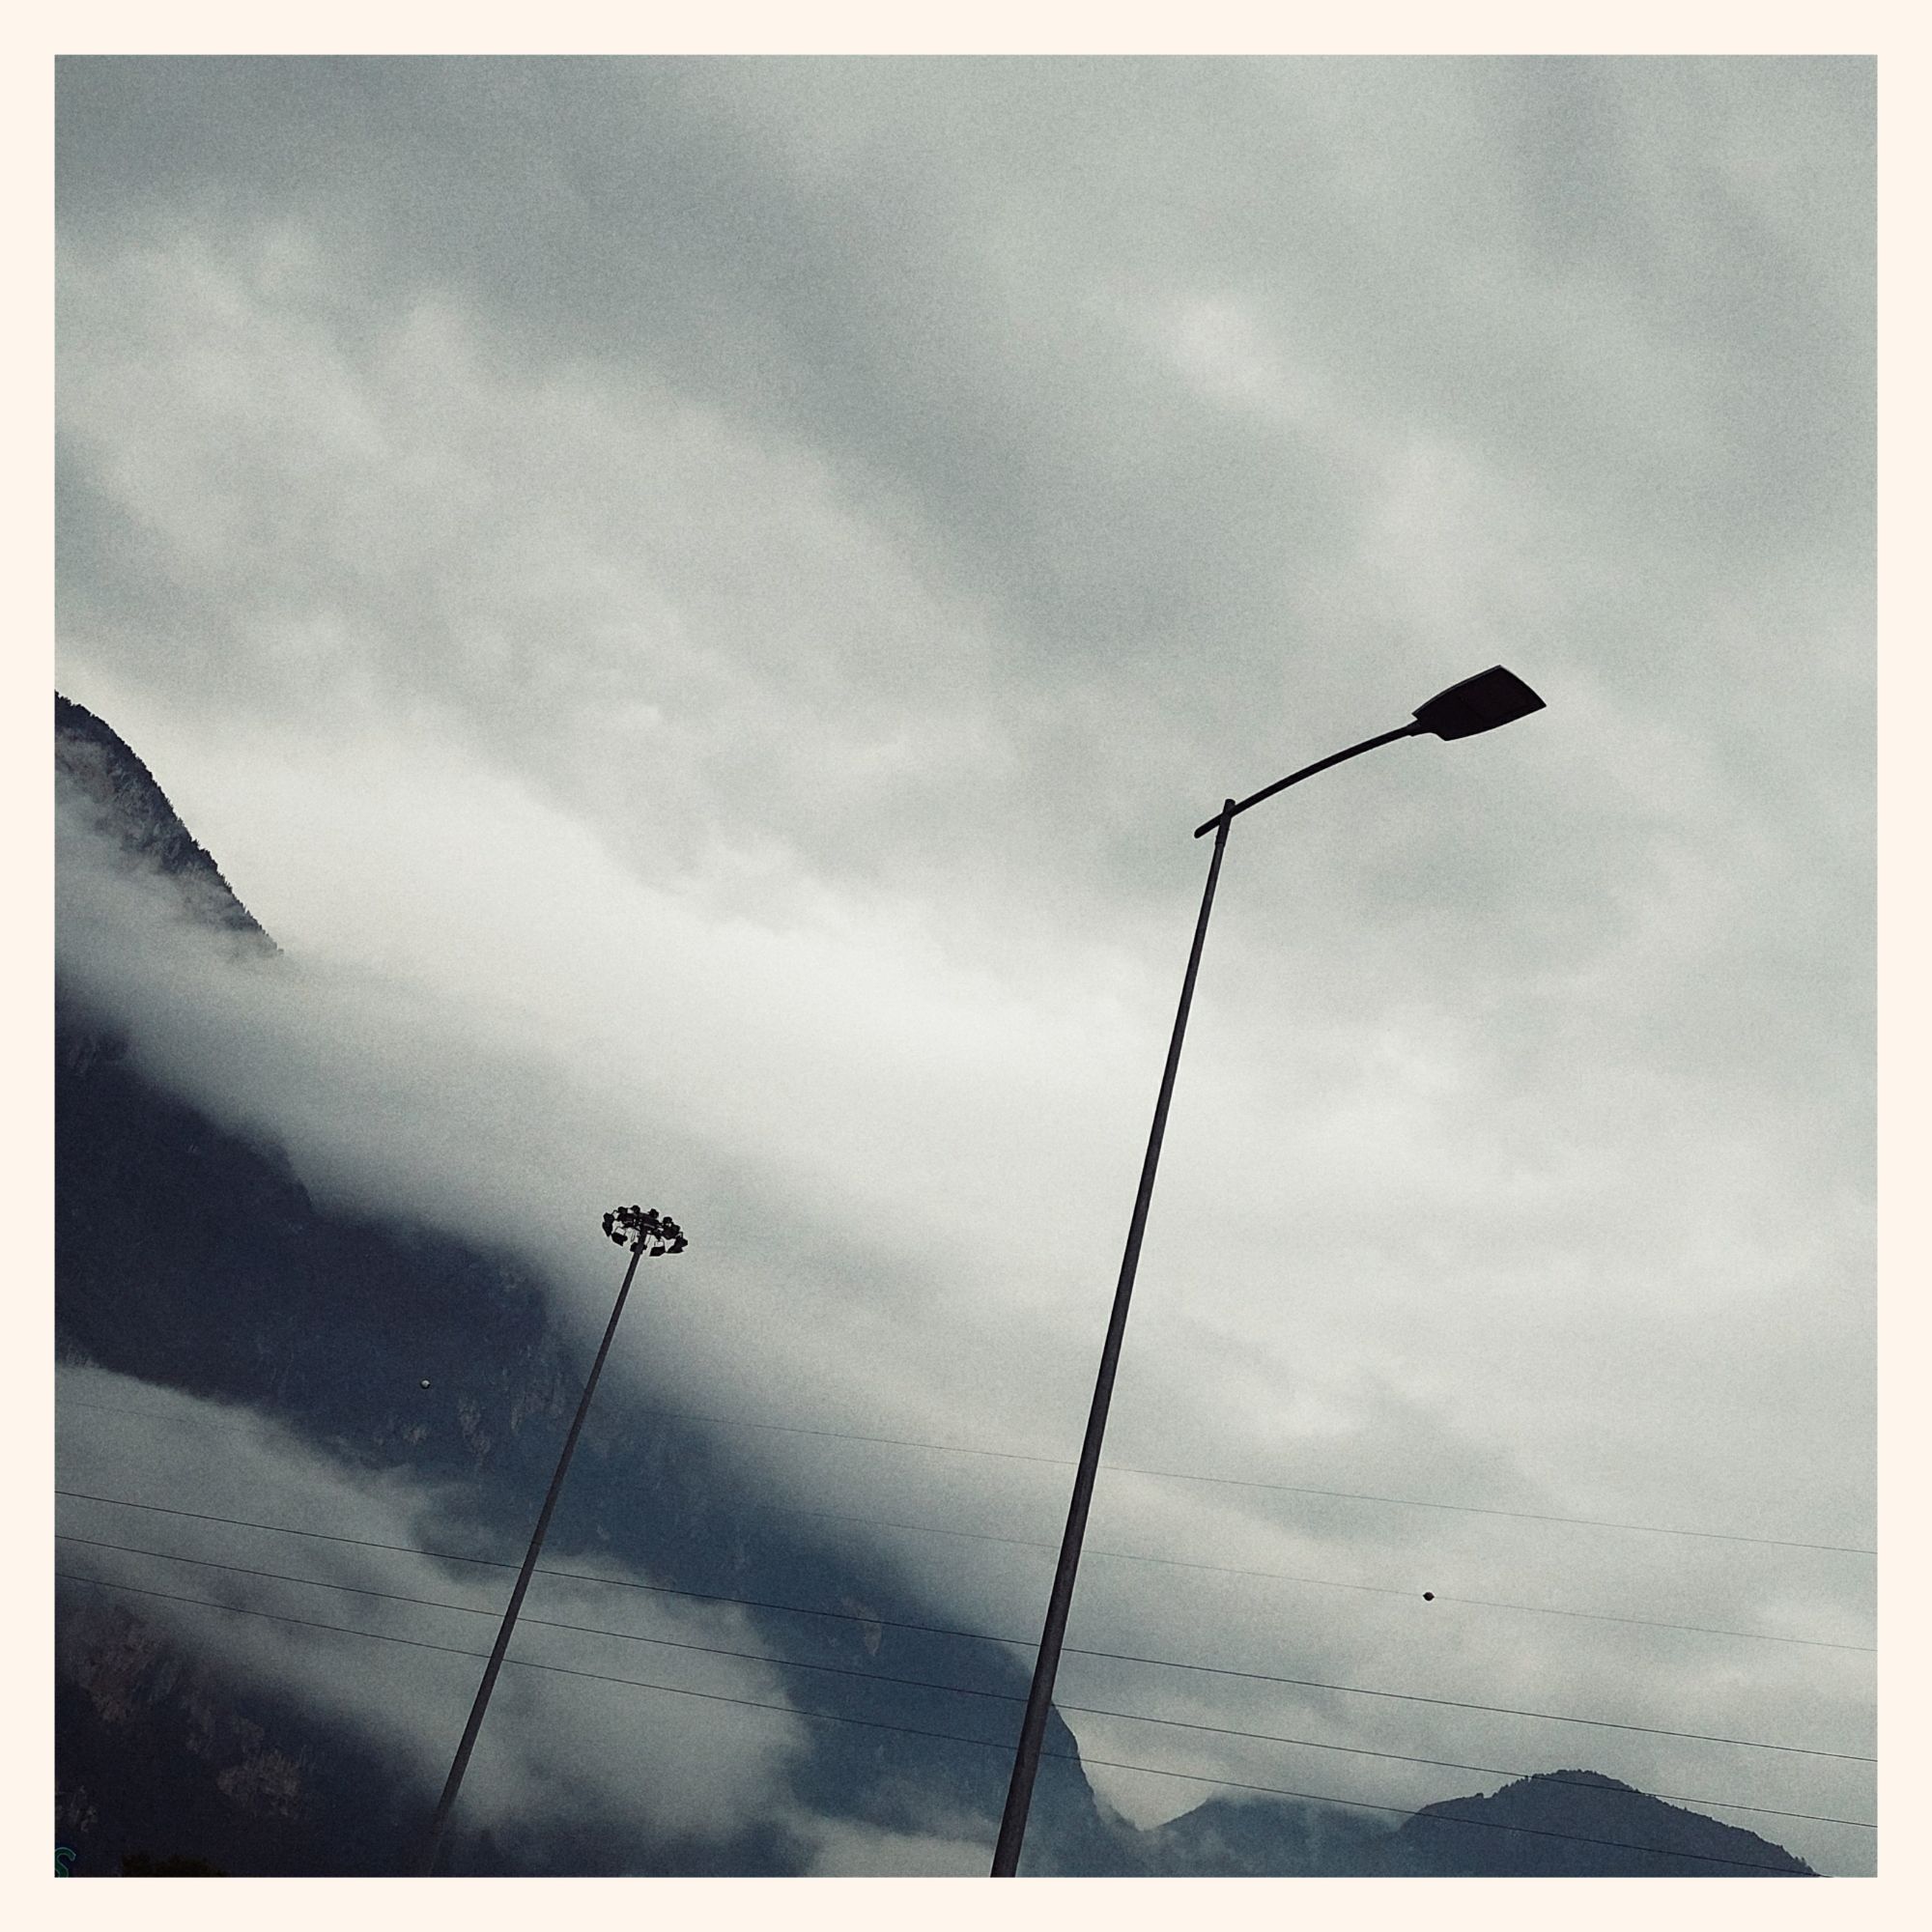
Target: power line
[
  {"x": 1288, "y": 1488},
  {"x": 1176, "y": 1562},
  {"x": 982, "y": 1636},
  {"x": 1321, "y": 1582},
  {"x": 1497, "y": 1710},
  {"x": 1517, "y": 1515},
  {"x": 552, "y": 1623},
  {"x": 1132, "y": 1469},
  {"x": 875, "y": 1676},
  {"x": 945, "y": 1737}
]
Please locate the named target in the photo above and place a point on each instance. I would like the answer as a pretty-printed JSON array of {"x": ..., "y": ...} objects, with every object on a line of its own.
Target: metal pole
[
  {"x": 1231, "y": 809},
  {"x": 426, "y": 1863},
  {"x": 1032, "y": 1728}
]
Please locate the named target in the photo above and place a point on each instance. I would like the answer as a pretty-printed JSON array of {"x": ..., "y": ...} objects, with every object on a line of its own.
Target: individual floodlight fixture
[
  {"x": 1480, "y": 703},
  {"x": 643, "y": 1231}
]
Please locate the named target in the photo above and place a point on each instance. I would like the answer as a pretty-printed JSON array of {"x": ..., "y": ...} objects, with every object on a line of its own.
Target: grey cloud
[
  {"x": 1153, "y": 508},
  {"x": 782, "y": 554}
]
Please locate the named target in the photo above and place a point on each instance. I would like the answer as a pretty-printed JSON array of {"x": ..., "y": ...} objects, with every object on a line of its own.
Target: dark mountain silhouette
[
  {"x": 1535, "y": 1826},
  {"x": 1562, "y": 1824},
  {"x": 1265, "y": 1838},
  {"x": 94, "y": 764},
  {"x": 192, "y": 1256}
]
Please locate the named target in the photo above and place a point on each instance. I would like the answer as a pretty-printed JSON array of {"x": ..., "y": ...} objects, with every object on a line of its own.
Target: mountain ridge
[
  {"x": 102, "y": 768},
  {"x": 1630, "y": 1827}
]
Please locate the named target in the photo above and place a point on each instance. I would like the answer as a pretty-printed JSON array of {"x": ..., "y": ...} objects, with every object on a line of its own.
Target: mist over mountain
[
  {"x": 95, "y": 768},
  {"x": 234, "y": 1354},
  {"x": 191, "y": 1258}
]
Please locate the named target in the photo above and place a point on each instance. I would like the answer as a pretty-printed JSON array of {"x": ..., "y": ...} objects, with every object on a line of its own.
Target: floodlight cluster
[{"x": 644, "y": 1230}]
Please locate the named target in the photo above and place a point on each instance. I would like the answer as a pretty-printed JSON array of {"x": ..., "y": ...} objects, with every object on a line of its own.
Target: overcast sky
[{"x": 702, "y": 602}]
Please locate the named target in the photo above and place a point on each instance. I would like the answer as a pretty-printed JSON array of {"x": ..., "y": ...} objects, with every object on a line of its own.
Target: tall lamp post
[
  {"x": 643, "y": 1231},
  {"x": 1479, "y": 703}
]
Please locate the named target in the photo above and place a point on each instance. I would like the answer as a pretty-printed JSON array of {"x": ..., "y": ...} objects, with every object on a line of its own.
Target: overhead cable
[
  {"x": 945, "y": 1737},
  {"x": 1321, "y": 1582},
  {"x": 876, "y": 1676},
  {"x": 980, "y": 1637},
  {"x": 1132, "y": 1469}
]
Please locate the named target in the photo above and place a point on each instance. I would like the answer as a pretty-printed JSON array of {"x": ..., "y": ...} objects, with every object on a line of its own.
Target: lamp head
[
  {"x": 1480, "y": 703},
  {"x": 644, "y": 1230}
]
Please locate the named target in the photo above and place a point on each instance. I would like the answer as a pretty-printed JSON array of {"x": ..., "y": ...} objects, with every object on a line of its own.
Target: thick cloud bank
[{"x": 700, "y": 603}]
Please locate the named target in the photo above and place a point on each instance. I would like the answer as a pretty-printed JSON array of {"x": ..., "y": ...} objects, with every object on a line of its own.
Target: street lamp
[
  {"x": 643, "y": 1231},
  {"x": 1479, "y": 703}
]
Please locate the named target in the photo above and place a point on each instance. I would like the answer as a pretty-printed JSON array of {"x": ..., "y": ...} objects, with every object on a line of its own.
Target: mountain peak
[
  {"x": 94, "y": 762},
  {"x": 1577, "y": 1822}
]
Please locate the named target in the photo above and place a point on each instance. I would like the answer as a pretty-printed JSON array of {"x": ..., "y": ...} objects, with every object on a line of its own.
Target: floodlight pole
[
  {"x": 1478, "y": 703},
  {"x": 661, "y": 1237}
]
